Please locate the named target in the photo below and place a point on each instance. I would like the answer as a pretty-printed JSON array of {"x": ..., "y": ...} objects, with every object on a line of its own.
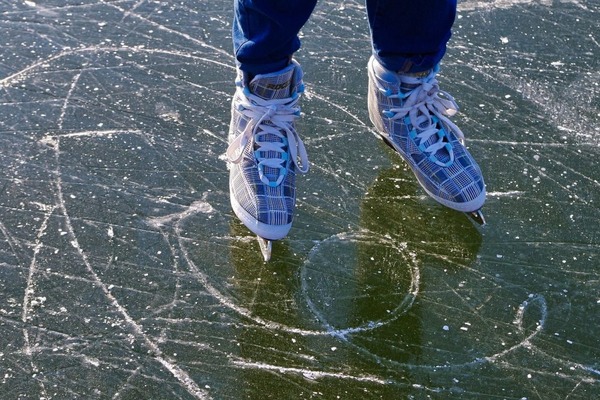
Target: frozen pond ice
[{"x": 125, "y": 275}]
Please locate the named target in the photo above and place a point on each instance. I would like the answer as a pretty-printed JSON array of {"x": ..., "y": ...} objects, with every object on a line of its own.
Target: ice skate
[
  {"x": 265, "y": 153},
  {"x": 411, "y": 115}
]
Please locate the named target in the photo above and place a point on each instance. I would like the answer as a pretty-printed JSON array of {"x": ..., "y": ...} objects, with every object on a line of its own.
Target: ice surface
[{"x": 124, "y": 274}]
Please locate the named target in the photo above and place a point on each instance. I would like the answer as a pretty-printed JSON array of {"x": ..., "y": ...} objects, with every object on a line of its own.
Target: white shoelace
[
  {"x": 281, "y": 113},
  {"x": 424, "y": 108}
]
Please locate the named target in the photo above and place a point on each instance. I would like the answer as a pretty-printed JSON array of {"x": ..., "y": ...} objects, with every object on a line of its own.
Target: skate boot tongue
[
  {"x": 413, "y": 97},
  {"x": 273, "y": 86},
  {"x": 276, "y": 85},
  {"x": 424, "y": 86}
]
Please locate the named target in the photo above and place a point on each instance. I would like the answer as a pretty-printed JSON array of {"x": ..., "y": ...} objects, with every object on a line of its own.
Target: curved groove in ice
[{"x": 402, "y": 307}]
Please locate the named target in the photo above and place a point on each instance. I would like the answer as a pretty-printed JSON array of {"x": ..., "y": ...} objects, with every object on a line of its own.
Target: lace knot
[
  {"x": 270, "y": 134},
  {"x": 426, "y": 114}
]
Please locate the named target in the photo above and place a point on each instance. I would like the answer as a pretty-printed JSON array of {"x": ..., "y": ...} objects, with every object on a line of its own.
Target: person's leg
[
  {"x": 410, "y": 36},
  {"x": 265, "y": 33}
]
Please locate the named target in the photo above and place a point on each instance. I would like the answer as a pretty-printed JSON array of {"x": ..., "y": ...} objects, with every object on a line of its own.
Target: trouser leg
[
  {"x": 410, "y": 35},
  {"x": 265, "y": 32}
]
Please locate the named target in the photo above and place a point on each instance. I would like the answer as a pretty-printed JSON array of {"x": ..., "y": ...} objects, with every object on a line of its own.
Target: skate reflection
[
  {"x": 368, "y": 285},
  {"x": 437, "y": 241}
]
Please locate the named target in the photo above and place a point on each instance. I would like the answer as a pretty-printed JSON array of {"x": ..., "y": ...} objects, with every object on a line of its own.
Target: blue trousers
[{"x": 406, "y": 35}]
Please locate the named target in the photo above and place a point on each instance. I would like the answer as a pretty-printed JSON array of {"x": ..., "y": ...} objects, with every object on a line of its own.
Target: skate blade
[
  {"x": 266, "y": 247},
  {"x": 478, "y": 217}
]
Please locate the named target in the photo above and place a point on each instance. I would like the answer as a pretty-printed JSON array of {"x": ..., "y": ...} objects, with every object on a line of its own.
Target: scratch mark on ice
[
  {"x": 65, "y": 105},
  {"x": 308, "y": 373},
  {"x": 182, "y": 376},
  {"x": 28, "y": 303}
]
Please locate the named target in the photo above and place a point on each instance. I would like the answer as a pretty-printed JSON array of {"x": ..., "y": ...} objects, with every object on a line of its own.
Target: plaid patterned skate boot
[
  {"x": 412, "y": 118},
  {"x": 265, "y": 152}
]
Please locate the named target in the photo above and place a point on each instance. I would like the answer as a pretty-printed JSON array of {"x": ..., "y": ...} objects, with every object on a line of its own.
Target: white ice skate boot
[
  {"x": 265, "y": 152},
  {"x": 411, "y": 115}
]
